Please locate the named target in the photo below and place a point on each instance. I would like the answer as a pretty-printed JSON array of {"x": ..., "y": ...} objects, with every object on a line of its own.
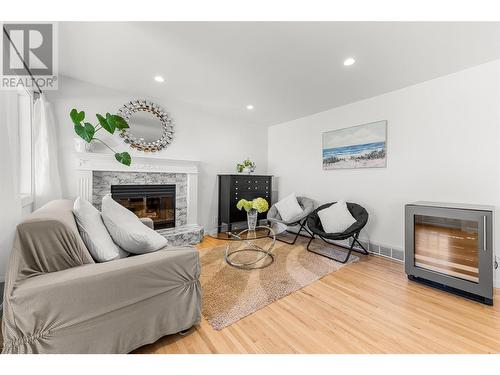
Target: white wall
[
  {"x": 442, "y": 145},
  {"x": 218, "y": 143}
]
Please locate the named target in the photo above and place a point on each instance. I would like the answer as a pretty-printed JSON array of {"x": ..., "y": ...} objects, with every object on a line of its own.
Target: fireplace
[
  {"x": 450, "y": 246},
  {"x": 156, "y": 202}
]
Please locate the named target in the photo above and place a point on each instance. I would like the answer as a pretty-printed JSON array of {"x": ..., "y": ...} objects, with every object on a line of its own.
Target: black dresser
[{"x": 233, "y": 187}]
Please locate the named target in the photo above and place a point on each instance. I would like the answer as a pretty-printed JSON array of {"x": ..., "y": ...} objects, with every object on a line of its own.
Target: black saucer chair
[{"x": 314, "y": 225}]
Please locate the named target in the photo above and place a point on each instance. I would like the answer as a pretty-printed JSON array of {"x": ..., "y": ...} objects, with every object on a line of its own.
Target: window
[{"x": 25, "y": 159}]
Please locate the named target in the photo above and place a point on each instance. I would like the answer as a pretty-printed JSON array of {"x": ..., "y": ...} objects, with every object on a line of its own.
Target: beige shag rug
[{"x": 230, "y": 294}]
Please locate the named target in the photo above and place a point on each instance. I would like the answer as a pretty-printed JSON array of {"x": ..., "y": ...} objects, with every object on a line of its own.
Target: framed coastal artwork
[{"x": 362, "y": 146}]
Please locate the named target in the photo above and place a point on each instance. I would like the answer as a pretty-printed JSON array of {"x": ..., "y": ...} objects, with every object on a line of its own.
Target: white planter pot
[{"x": 82, "y": 146}]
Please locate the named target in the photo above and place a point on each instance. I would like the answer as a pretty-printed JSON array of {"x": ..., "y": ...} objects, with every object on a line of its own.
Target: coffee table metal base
[
  {"x": 251, "y": 247},
  {"x": 249, "y": 265}
]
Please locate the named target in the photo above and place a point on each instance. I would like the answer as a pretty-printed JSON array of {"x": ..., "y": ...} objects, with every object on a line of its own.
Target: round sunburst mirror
[{"x": 150, "y": 129}]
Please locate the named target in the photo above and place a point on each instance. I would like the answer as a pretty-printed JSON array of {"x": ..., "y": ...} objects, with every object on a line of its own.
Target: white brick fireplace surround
[{"x": 89, "y": 162}]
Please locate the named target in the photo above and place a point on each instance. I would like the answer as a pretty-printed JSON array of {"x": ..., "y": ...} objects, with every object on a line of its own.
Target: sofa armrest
[
  {"x": 72, "y": 296},
  {"x": 147, "y": 222}
]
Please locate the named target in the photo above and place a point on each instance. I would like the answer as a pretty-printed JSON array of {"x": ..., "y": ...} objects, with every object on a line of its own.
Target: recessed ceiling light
[
  {"x": 159, "y": 79},
  {"x": 349, "y": 61},
  {"x": 249, "y": 107}
]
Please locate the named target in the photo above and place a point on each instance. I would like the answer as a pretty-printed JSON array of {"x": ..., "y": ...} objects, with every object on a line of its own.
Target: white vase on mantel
[{"x": 82, "y": 146}]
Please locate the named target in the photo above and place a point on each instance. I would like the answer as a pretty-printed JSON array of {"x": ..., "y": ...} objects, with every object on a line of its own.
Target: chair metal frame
[
  {"x": 350, "y": 248},
  {"x": 302, "y": 224}
]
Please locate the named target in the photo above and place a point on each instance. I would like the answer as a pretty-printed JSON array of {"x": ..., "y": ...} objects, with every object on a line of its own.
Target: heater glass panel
[{"x": 448, "y": 246}]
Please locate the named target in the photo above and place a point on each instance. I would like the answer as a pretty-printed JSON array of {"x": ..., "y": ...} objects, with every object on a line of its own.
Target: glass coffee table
[{"x": 248, "y": 249}]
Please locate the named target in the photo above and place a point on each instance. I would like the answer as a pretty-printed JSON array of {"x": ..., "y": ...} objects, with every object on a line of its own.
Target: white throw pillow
[
  {"x": 336, "y": 218},
  {"x": 289, "y": 208},
  {"x": 94, "y": 233},
  {"x": 127, "y": 230}
]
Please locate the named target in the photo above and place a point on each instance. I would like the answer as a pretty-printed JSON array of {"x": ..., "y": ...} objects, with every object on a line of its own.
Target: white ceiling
[{"x": 286, "y": 70}]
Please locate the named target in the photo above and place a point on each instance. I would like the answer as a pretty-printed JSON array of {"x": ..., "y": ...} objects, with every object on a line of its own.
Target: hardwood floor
[{"x": 366, "y": 307}]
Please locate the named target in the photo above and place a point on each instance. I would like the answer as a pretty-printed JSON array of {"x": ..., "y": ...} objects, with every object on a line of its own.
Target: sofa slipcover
[{"x": 58, "y": 300}]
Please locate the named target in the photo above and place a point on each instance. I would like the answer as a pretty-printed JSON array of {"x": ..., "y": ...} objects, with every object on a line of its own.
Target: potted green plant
[
  {"x": 253, "y": 208},
  {"x": 87, "y": 131},
  {"x": 246, "y": 166}
]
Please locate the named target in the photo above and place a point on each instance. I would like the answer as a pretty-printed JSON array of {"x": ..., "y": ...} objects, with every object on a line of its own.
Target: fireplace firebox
[{"x": 156, "y": 202}]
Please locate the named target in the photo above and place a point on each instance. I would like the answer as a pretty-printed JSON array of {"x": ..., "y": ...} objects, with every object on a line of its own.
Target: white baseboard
[{"x": 387, "y": 257}]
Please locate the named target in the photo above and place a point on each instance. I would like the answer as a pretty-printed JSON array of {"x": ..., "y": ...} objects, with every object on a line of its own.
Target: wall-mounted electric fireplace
[
  {"x": 156, "y": 202},
  {"x": 451, "y": 246}
]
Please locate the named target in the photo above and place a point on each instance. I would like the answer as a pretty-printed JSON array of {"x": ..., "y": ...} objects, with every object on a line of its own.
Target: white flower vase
[{"x": 252, "y": 219}]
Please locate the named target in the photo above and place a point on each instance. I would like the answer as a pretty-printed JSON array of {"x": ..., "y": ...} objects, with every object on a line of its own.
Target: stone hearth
[{"x": 189, "y": 234}]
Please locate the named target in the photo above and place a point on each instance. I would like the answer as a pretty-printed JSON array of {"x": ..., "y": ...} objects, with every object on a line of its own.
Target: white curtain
[
  {"x": 10, "y": 200},
  {"x": 47, "y": 183}
]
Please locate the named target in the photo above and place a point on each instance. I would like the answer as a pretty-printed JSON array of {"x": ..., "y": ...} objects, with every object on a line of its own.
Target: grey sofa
[{"x": 58, "y": 300}]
